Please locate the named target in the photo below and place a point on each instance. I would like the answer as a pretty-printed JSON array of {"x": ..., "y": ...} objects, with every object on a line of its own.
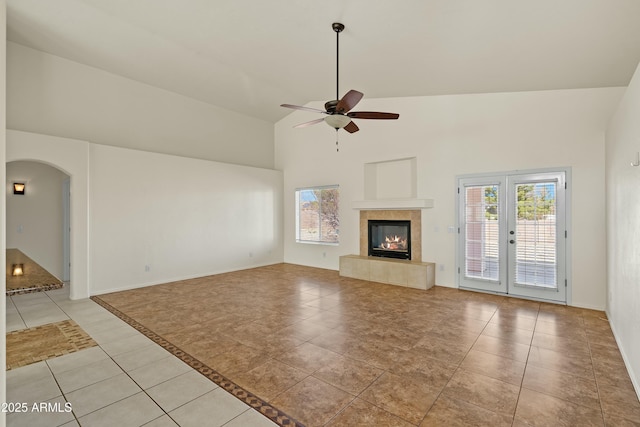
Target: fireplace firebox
[{"x": 390, "y": 239}]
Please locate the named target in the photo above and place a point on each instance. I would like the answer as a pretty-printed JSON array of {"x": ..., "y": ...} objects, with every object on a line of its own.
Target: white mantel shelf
[{"x": 393, "y": 204}]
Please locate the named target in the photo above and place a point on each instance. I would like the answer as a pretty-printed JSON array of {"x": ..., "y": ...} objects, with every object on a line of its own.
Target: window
[{"x": 317, "y": 215}]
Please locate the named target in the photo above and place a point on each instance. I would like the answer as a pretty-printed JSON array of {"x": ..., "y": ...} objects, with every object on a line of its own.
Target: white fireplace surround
[{"x": 393, "y": 204}]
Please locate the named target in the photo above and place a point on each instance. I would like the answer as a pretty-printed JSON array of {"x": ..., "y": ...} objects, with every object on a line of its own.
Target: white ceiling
[{"x": 250, "y": 56}]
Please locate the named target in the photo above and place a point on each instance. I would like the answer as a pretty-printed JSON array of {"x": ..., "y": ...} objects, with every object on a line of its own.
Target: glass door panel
[
  {"x": 481, "y": 232},
  {"x": 512, "y": 234},
  {"x": 536, "y": 236}
]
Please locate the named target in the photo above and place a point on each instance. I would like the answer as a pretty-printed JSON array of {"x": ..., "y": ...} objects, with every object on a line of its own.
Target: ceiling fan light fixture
[
  {"x": 338, "y": 111},
  {"x": 337, "y": 121}
]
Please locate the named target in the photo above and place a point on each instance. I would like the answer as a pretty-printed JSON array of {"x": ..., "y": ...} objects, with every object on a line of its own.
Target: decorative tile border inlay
[
  {"x": 31, "y": 290},
  {"x": 44, "y": 342},
  {"x": 274, "y": 414}
]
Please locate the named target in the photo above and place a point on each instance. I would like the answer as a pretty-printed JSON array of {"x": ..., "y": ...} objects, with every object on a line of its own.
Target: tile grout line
[
  {"x": 471, "y": 347},
  {"x": 279, "y": 417},
  {"x": 452, "y": 375},
  {"x": 526, "y": 365},
  {"x": 123, "y": 371},
  {"x": 144, "y": 391},
  {"x": 458, "y": 367},
  {"x": 355, "y": 396},
  {"x": 579, "y": 376},
  {"x": 18, "y": 311},
  {"x": 595, "y": 377},
  {"x": 116, "y": 363},
  {"x": 358, "y": 396},
  {"x": 64, "y": 396},
  {"x": 468, "y": 351},
  {"x": 539, "y": 323}
]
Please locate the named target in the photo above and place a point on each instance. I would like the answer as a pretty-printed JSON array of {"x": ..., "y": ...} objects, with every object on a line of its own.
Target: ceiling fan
[{"x": 338, "y": 112}]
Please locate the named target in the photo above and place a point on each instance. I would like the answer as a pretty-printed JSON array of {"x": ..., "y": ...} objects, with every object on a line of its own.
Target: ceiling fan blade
[
  {"x": 376, "y": 115},
  {"x": 312, "y": 122},
  {"x": 351, "y": 127},
  {"x": 298, "y": 107},
  {"x": 348, "y": 101}
]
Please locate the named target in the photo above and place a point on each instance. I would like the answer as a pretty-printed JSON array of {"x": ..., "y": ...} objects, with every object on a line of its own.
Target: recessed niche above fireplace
[
  {"x": 389, "y": 239},
  {"x": 391, "y": 185}
]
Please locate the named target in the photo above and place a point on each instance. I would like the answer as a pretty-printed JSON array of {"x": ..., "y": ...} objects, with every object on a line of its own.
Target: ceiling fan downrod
[{"x": 337, "y": 27}]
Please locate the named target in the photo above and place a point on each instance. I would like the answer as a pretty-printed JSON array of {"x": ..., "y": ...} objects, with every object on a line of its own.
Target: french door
[{"x": 512, "y": 234}]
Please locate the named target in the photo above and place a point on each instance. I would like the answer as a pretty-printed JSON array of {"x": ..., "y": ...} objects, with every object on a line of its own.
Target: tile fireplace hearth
[{"x": 411, "y": 272}]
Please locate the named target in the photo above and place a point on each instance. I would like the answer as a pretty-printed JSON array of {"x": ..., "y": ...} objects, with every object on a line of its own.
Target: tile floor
[
  {"x": 126, "y": 380},
  {"x": 328, "y": 351}
]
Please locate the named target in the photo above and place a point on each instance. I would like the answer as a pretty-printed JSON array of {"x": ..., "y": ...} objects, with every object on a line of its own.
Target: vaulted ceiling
[{"x": 250, "y": 56}]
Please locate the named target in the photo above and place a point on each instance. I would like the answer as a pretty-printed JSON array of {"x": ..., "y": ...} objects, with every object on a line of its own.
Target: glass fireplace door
[{"x": 390, "y": 239}]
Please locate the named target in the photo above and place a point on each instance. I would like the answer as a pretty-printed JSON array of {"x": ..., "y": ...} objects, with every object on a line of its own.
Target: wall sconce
[
  {"x": 18, "y": 187},
  {"x": 17, "y": 270}
]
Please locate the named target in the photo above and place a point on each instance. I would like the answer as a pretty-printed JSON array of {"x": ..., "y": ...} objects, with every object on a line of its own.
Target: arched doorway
[
  {"x": 38, "y": 218},
  {"x": 71, "y": 157}
]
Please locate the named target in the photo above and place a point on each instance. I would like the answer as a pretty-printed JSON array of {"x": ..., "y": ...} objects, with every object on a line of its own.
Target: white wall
[
  {"x": 455, "y": 135},
  {"x": 623, "y": 227},
  {"x": 34, "y": 220},
  {"x": 3, "y": 321},
  {"x": 50, "y": 95},
  {"x": 181, "y": 217}
]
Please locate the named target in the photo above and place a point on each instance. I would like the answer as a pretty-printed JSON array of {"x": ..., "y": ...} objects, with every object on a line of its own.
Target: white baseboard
[{"x": 177, "y": 279}]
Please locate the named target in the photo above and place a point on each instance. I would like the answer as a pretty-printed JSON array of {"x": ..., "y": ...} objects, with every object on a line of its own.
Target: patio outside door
[{"x": 512, "y": 234}]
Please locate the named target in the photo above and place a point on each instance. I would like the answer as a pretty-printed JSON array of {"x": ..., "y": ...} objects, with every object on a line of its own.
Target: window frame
[{"x": 297, "y": 215}]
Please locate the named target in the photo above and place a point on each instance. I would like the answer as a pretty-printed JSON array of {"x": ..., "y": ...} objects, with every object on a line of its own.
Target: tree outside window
[
  {"x": 317, "y": 215},
  {"x": 537, "y": 201}
]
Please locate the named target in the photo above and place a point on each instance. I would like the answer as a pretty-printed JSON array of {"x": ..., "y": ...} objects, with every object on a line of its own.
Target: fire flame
[{"x": 394, "y": 243}]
